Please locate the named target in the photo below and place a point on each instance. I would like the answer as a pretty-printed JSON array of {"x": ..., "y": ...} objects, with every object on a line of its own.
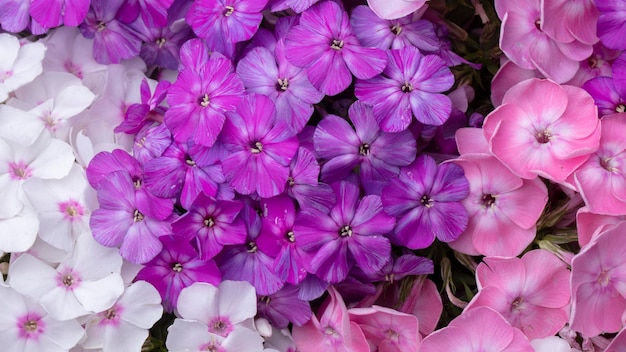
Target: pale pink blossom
[
  {"x": 393, "y": 9},
  {"x": 591, "y": 225},
  {"x": 386, "y": 329}
]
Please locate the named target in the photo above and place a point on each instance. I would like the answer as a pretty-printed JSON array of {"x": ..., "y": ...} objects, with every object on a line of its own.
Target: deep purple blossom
[
  {"x": 226, "y": 20},
  {"x": 352, "y": 234},
  {"x": 400, "y": 267},
  {"x": 184, "y": 171},
  {"x": 325, "y": 44},
  {"x": 612, "y": 23},
  {"x": 426, "y": 199},
  {"x": 212, "y": 224},
  {"x": 114, "y": 41},
  {"x": 53, "y": 13},
  {"x": 140, "y": 114},
  {"x": 260, "y": 148},
  {"x": 379, "y": 154},
  {"x": 609, "y": 93},
  {"x": 303, "y": 184},
  {"x": 152, "y": 12},
  {"x": 248, "y": 261},
  {"x": 284, "y": 307},
  {"x": 119, "y": 222},
  {"x": 411, "y": 85},
  {"x": 393, "y": 34},
  {"x": 201, "y": 96},
  {"x": 176, "y": 267}
]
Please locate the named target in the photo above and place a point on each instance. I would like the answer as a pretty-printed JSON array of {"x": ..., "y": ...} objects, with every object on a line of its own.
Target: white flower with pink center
[
  {"x": 19, "y": 64},
  {"x": 26, "y": 326},
  {"x": 88, "y": 281},
  {"x": 63, "y": 207}
]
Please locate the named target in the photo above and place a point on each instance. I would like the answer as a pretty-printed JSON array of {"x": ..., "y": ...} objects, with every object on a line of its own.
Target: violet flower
[
  {"x": 150, "y": 142},
  {"x": 53, "y": 13},
  {"x": 140, "y": 114},
  {"x": 284, "y": 307},
  {"x": 260, "y": 148},
  {"x": 213, "y": 224},
  {"x": 151, "y": 12},
  {"x": 426, "y": 199},
  {"x": 325, "y": 44},
  {"x": 609, "y": 93},
  {"x": 352, "y": 234},
  {"x": 410, "y": 85},
  {"x": 176, "y": 267},
  {"x": 612, "y": 23},
  {"x": 303, "y": 185}
]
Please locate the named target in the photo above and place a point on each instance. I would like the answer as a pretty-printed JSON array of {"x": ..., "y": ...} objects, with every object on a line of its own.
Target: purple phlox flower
[
  {"x": 269, "y": 73},
  {"x": 378, "y": 154},
  {"x": 15, "y": 15},
  {"x": 184, "y": 171},
  {"x": 212, "y": 224},
  {"x": 278, "y": 239},
  {"x": 393, "y": 34},
  {"x": 303, "y": 185},
  {"x": 260, "y": 148},
  {"x": 445, "y": 51},
  {"x": 410, "y": 85},
  {"x": 356, "y": 287},
  {"x": 596, "y": 65},
  {"x": 119, "y": 222},
  {"x": 161, "y": 45},
  {"x": 444, "y": 135},
  {"x": 226, "y": 20},
  {"x": 201, "y": 96},
  {"x": 105, "y": 163},
  {"x": 152, "y": 12},
  {"x": 53, "y": 13},
  {"x": 150, "y": 142},
  {"x": 144, "y": 113},
  {"x": 352, "y": 234},
  {"x": 426, "y": 199},
  {"x": 325, "y": 44},
  {"x": 402, "y": 266},
  {"x": 312, "y": 288},
  {"x": 609, "y": 93},
  {"x": 284, "y": 307},
  {"x": 612, "y": 23},
  {"x": 249, "y": 262},
  {"x": 114, "y": 41},
  {"x": 176, "y": 267}
]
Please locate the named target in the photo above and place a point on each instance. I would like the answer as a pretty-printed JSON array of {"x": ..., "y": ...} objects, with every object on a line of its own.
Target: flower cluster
[{"x": 290, "y": 175}]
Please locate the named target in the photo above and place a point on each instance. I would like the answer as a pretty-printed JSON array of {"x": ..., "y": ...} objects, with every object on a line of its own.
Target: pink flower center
[
  {"x": 74, "y": 69},
  {"x": 72, "y": 210},
  {"x": 30, "y": 326},
  {"x": 68, "y": 279},
  {"x": 111, "y": 316},
  {"x": 19, "y": 171},
  {"x": 392, "y": 335},
  {"x": 406, "y": 87},
  {"x": 543, "y": 137},
  {"x": 517, "y": 304},
  {"x": 220, "y": 326},
  {"x": 488, "y": 200},
  {"x": 212, "y": 347},
  {"x": 209, "y": 222},
  {"x": 604, "y": 278},
  {"x": 608, "y": 164}
]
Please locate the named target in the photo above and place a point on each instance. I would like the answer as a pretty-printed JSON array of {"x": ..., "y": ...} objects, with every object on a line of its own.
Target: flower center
[
  {"x": 604, "y": 278},
  {"x": 204, "y": 100},
  {"x": 220, "y": 326},
  {"x": 345, "y": 231},
  {"x": 137, "y": 182},
  {"x": 189, "y": 161},
  {"x": 30, "y": 326},
  {"x": 538, "y": 24},
  {"x": 160, "y": 42},
  {"x": 68, "y": 280},
  {"x": 290, "y": 181},
  {"x": 517, "y": 303},
  {"x": 19, "y": 171},
  {"x": 336, "y": 44},
  {"x": 391, "y": 334},
  {"x": 488, "y": 200},
  {"x": 209, "y": 222},
  {"x": 256, "y": 148},
  {"x": 137, "y": 216},
  {"x": 228, "y": 11},
  {"x": 252, "y": 248},
  {"x": 592, "y": 62},
  {"x": 329, "y": 330},
  {"x": 290, "y": 236},
  {"x": 110, "y": 314},
  {"x": 406, "y": 87},
  {"x": 620, "y": 108},
  {"x": 364, "y": 149},
  {"x": 282, "y": 85},
  {"x": 427, "y": 201},
  {"x": 543, "y": 137},
  {"x": 101, "y": 26},
  {"x": 177, "y": 267},
  {"x": 396, "y": 29},
  {"x": 265, "y": 299}
]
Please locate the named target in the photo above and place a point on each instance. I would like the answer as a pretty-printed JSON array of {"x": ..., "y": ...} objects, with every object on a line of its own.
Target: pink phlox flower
[
  {"x": 597, "y": 65},
  {"x": 394, "y": 9},
  {"x": 508, "y": 75},
  {"x": 19, "y": 64},
  {"x": 598, "y": 297},
  {"x": 531, "y": 293},
  {"x": 387, "y": 330},
  {"x": 609, "y": 93},
  {"x": 618, "y": 343},
  {"x": 475, "y": 330},
  {"x": 578, "y": 21},
  {"x": 333, "y": 331},
  {"x": 591, "y": 225},
  {"x": 88, "y": 281},
  {"x": 503, "y": 208},
  {"x": 325, "y": 44},
  {"x": 551, "y": 136},
  {"x": 425, "y": 303}
]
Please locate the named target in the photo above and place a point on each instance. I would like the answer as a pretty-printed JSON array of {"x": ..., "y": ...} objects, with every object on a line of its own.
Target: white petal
[
  {"x": 10, "y": 191},
  {"x": 187, "y": 335},
  {"x": 72, "y": 100},
  {"x": 62, "y": 304},
  {"x": 12, "y": 307},
  {"x": 125, "y": 337},
  {"x": 198, "y": 301},
  {"x": 237, "y": 300},
  {"x": 10, "y": 47},
  {"x": 19, "y": 126},
  {"x": 95, "y": 333},
  {"x": 65, "y": 334},
  {"x": 142, "y": 305},
  {"x": 93, "y": 260},
  {"x": 27, "y": 65},
  {"x": 18, "y": 233},
  {"x": 100, "y": 295},
  {"x": 54, "y": 162},
  {"x": 243, "y": 340}
]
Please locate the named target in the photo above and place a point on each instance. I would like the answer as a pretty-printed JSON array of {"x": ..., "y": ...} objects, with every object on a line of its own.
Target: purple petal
[{"x": 370, "y": 252}]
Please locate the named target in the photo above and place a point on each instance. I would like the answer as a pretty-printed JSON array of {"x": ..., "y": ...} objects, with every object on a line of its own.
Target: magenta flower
[
  {"x": 426, "y": 198},
  {"x": 531, "y": 293},
  {"x": 144, "y": 113},
  {"x": 325, "y": 44},
  {"x": 200, "y": 97},
  {"x": 53, "y": 13},
  {"x": 152, "y": 12},
  {"x": 612, "y": 23},
  {"x": 378, "y": 154},
  {"x": 225, "y": 21},
  {"x": 411, "y": 85},
  {"x": 352, "y": 234},
  {"x": 176, "y": 267},
  {"x": 260, "y": 149},
  {"x": 284, "y": 307},
  {"x": 609, "y": 93},
  {"x": 212, "y": 224},
  {"x": 303, "y": 185}
]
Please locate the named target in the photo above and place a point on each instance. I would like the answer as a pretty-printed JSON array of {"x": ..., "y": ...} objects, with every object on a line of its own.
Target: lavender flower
[
  {"x": 152, "y": 12},
  {"x": 609, "y": 93},
  {"x": 303, "y": 185},
  {"x": 260, "y": 149},
  {"x": 612, "y": 23},
  {"x": 139, "y": 115},
  {"x": 410, "y": 85},
  {"x": 284, "y": 307},
  {"x": 324, "y": 43},
  {"x": 150, "y": 142},
  {"x": 351, "y": 234},
  {"x": 426, "y": 200},
  {"x": 176, "y": 267}
]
